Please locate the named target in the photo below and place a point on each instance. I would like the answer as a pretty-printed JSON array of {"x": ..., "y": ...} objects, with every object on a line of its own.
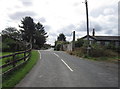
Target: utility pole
[
  {"x": 88, "y": 48},
  {"x": 73, "y": 43}
]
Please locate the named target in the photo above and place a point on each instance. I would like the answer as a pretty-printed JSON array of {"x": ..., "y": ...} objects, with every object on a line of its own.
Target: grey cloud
[
  {"x": 47, "y": 27},
  {"x": 112, "y": 32},
  {"x": 70, "y": 27},
  {"x": 42, "y": 20},
  {"x": 109, "y": 32},
  {"x": 17, "y": 6},
  {"x": 26, "y": 2},
  {"x": 110, "y": 25},
  {"x": 81, "y": 27},
  {"x": 67, "y": 30},
  {"x": 53, "y": 34},
  {"x": 119, "y": 6},
  {"x": 101, "y": 11},
  {"x": 77, "y": 4},
  {"x": 96, "y": 26},
  {"x": 19, "y": 15},
  {"x": 113, "y": 19}
]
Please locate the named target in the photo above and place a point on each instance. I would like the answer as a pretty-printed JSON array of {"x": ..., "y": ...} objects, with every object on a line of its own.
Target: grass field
[
  {"x": 3, "y": 54},
  {"x": 13, "y": 78},
  {"x": 9, "y": 59}
]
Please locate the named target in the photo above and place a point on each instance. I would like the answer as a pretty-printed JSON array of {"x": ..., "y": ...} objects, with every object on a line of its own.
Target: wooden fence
[{"x": 13, "y": 61}]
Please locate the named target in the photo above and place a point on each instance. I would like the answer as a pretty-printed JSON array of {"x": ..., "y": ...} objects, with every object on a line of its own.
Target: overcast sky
[{"x": 62, "y": 16}]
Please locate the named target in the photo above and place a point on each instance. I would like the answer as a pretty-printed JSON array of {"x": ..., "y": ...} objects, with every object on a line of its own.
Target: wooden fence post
[
  {"x": 24, "y": 55},
  {"x": 13, "y": 60},
  {"x": 29, "y": 53}
]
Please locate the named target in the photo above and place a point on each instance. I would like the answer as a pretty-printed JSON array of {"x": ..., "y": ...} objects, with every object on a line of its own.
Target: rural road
[{"x": 59, "y": 69}]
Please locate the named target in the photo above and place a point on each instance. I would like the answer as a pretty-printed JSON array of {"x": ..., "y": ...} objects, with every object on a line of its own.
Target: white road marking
[
  {"x": 39, "y": 53},
  {"x": 66, "y": 65},
  {"x": 64, "y": 62},
  {"x": 56, "y": 55}
]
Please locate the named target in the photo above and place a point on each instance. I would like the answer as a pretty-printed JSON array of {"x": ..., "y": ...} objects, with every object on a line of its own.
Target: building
[{"x": 103, "y": 40}]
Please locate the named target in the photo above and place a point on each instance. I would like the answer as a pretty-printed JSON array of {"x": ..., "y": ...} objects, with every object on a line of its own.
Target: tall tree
[
  {"x": 40, "y": 35},
  {"x": 32, "y": 32},
  {"x": 61, "y": 37},
  {"x": 28, "y": 27}
]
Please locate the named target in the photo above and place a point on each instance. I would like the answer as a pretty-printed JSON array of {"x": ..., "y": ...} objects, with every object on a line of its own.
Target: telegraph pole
[
  {"x": 88, "y": 48},
  {"x": 73, "y": 43}
]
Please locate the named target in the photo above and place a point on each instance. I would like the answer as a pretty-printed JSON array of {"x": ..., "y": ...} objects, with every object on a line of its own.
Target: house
[{"x": 103, "y": 40}]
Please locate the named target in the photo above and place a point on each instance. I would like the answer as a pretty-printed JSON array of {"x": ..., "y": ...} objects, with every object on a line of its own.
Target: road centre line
[
  {"x": 39, "y": 53},
  {"x": 66, "y": 65},
  {"x": 56, "y": 55}
]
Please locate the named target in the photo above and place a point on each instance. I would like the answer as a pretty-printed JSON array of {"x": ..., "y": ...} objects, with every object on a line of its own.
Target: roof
[{"x": 105, "y": 38}]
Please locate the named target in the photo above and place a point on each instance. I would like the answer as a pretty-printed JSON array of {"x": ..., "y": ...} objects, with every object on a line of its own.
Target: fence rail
[{"x": 14, "y": 62}]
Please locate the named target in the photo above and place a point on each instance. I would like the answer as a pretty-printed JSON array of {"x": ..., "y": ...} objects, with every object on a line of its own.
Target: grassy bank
[
  {"x": 106, "y": 59},
  {"x": 97, "y": 55},
  {"x": 13, "y": 78}
]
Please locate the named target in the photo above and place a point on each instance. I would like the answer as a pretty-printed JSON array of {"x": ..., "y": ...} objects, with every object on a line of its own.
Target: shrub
[
  {"x": 113, "y": 47},
  {"x": 96, "y": 51},
  {"x": 79, "y": 43},
  {"x": 101, "y": 51},
  {"x": 11, "y": 45},
  {"x": 79, "y": 52},
  {"x": 59, "y": 45}
]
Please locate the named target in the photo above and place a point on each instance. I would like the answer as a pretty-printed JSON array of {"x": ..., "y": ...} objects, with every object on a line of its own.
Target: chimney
[{"x": 93, "y": 32}]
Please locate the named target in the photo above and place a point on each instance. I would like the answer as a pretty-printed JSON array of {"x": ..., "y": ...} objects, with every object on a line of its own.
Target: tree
[
  {"x": 28, "y": 29},
  {"x": 40, "y": 28},
  {"x": 61, "y": 40},
  {"x": 40, "y": 35},
  {"x": 61, "y": 37},
  {"x": 33, "y": 33},
  {"x": 11, "y": 40},
  {"x": 12, "y": 33},
  {"x": 30, "y": 33}
]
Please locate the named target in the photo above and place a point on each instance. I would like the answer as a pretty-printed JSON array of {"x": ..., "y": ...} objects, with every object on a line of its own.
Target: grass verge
[
  {"x": 106, "y": 59},
  {"x": 13, "y": 78},
  {"x": 108, "y": 56}
]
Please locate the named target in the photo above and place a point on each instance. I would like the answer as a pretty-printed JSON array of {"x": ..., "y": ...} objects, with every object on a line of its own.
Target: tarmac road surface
[{"x": 59, "y": 69}]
